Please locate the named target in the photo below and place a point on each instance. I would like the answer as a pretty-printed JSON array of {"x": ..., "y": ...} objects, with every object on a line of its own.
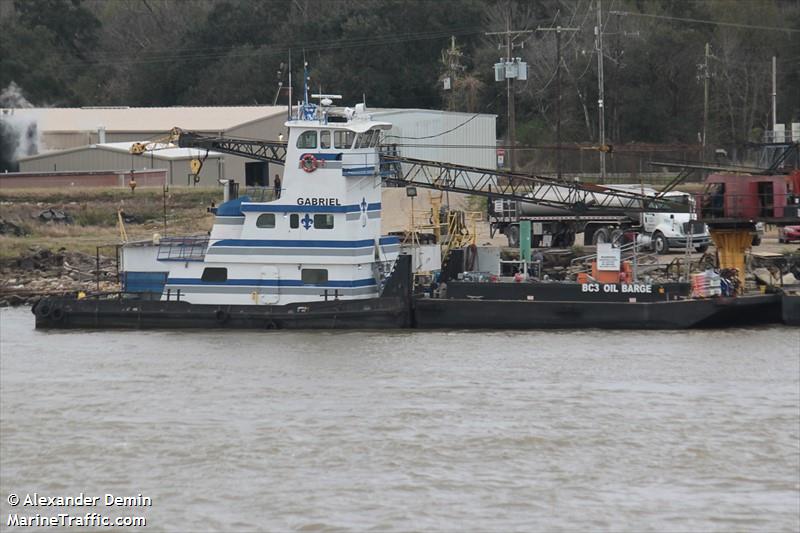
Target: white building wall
[{"x": 450, "y": 137}]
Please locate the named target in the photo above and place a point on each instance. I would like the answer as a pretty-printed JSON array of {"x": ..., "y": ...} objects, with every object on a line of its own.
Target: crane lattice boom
[{"x": 581, "y": 198}]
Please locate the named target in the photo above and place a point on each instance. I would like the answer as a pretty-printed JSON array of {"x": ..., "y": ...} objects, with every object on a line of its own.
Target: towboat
[{"x": 309, "y": 255}]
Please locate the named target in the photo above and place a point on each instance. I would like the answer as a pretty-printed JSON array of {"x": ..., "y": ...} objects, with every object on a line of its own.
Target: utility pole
[
  {"x": 451, "y": 58},
  {"x": 558, "y": 30},
  {"x": 774, "y": 94},
  {"x": 511, "y": 69},
  {"x": 601, "y": 119},
  {"x": 706, "y": 78}
]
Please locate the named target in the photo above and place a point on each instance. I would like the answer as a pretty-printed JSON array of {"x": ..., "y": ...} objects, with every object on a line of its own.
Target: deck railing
[{"x": 183, "y": 248}]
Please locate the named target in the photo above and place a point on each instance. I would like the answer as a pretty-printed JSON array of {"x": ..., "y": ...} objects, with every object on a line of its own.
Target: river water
[{"x": 443, "y": 431}]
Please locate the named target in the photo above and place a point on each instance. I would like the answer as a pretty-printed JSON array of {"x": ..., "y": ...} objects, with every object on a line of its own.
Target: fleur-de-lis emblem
[{"x": 307, "y": 221}]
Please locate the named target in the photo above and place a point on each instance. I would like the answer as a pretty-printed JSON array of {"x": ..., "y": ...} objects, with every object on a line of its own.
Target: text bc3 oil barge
[{"x": 312, "y": 256}]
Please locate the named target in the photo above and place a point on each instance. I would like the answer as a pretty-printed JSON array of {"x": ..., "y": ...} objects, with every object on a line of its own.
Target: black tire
[
  {"x": 703, "y": 248},
  {"x": 660, "y": 245},
  {"x": 57, "y": 314},
  {"x": 221, "y": 316},
  {"x": 600, "y": 236},
  {"x": 43, "y": 309},
  {"x": 756, "y": 240}
]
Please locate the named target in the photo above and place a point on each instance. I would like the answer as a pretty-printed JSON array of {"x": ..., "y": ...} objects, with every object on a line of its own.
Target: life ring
[
  {"x": 221, "y": 316},
  {"x": 308, "y": 163}
]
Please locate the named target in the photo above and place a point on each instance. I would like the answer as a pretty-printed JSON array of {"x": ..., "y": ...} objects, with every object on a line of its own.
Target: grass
[{"x": 94, "y": 213}]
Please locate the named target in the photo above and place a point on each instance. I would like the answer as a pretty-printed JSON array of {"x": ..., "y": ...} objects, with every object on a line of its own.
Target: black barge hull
[
  {"x": 69, "y": 313},
  {"x": 791, "y": 309},
  {"x": 433, "y": 313},
  {"x": 391, "y": 310}
]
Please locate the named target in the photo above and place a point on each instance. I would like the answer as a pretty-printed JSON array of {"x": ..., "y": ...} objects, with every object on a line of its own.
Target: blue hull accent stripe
[
  {"x": 305, "y": 244},
  {"x": 324, "y": 157},
  {"x": 273, "y": 283},
  {"x": 290, "y": 208}
]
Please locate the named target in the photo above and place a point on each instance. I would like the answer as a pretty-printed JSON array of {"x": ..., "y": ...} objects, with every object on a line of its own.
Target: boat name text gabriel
[{"x": 318, "y": 201}]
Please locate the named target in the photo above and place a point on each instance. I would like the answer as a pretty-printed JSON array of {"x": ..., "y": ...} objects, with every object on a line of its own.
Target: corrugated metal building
[
  {"x": 86, "y": 137},
  {"x": 450, "y": 137},
  {"x": 468, "y": 139},
  {"x": 116, "y": 156},
  {"x": 68, "y": 128}
]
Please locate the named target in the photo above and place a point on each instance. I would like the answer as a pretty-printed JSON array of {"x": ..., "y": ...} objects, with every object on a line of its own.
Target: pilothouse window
[
  {"x": 308, "y": 139},
  {"x": 325, "y": 139},
  {"x": 343, "y": 138},
  {"x": 367, "y": 139}
]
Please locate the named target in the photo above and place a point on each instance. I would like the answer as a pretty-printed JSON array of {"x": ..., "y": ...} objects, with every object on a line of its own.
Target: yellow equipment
[
  {"x": 160, "y": 143},
  {"x": 732, "y": 245}
]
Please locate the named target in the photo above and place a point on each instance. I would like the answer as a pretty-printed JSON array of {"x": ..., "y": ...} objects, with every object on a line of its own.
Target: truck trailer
[{"x": 553, "y": 227}]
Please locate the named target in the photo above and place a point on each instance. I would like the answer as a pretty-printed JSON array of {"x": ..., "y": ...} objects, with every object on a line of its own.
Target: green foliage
[{"x": 130, "y": 52}]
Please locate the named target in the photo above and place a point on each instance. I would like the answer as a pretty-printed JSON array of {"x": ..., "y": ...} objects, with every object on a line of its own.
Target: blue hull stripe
[
  {"x": 273, "y": 282},
  {"x": 325, "y": 157},
  {"x": 305, "y": 244},
  {"x": 290, "y": 208}
]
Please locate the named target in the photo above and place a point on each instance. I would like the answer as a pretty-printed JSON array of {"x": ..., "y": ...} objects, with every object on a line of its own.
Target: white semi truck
[{"x": 553, "y": 227}]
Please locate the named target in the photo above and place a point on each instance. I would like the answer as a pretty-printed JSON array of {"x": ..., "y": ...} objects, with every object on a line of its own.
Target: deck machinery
[{"x": 735, "y": 199}]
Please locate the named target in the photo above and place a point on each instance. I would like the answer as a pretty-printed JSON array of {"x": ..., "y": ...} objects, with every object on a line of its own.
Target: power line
[
  {"x": 473, "y": 117},
  {"x": 230, "y": 52},
  {"x": 701, "y": 21}
]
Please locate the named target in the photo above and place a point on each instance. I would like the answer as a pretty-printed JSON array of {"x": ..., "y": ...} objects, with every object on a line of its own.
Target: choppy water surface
[{"x": 409, "y": 430}]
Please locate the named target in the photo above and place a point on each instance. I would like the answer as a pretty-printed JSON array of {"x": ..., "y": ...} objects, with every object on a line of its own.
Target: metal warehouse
[
  {"x": 116, "y": 156},
  {"x": 96, "y": 138},
  {"x": 60, "y": 129}
]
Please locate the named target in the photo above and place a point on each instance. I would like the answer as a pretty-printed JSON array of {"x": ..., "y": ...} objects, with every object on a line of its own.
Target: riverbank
[{"x": 49, "y": 239}]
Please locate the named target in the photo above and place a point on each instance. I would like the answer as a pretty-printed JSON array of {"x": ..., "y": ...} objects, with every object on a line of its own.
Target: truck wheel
[
  {"x": 756, "y": 240},
  {"x": 616, "y": 236},
  {"x": 702, "y": 248},
  {"x": 660, "y": 245},
  {"x": 600, "y": 236},
  {"x": 512, "y": 232}
]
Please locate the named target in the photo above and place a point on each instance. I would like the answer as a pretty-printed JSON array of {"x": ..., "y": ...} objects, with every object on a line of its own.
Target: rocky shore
[{"x": 40, "y": 272}]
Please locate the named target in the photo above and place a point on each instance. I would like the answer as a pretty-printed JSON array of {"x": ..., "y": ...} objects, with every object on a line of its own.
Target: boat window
[
  {"x": 325, "y": 139},
  {"x": 323, "y": 221},
  {"x": 266, "y": 220},
  {"x": 314, "y": 276},
  {"x": 294, "y": 221},
  {"x": 308, "y": 139},
  {"x": 215, "y": 275},
  {"x": 343, "y": 138},
  {"x": 376, "y": 138},
  {"x": 362, "y": 141}
]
